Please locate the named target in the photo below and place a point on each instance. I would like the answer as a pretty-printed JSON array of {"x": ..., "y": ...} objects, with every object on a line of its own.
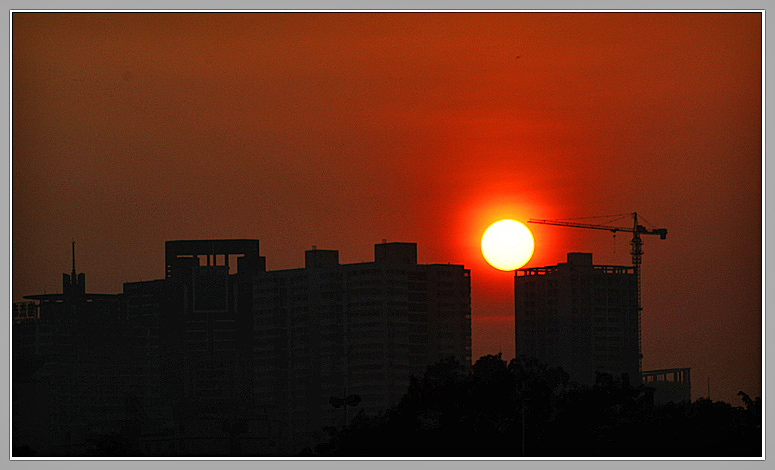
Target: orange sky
[{"x": 339, "y": 130}]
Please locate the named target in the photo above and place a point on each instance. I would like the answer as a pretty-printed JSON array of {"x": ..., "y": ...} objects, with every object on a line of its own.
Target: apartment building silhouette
[
  {"x": 222, "y": 357},
  {"x": 580, "y": 316},
  {"x": 330, "y": 331},
  {"x": 70, "y": 383}
]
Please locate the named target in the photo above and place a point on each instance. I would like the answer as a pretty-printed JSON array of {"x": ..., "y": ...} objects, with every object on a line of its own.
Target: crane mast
[{"x": 636, "y": 252}]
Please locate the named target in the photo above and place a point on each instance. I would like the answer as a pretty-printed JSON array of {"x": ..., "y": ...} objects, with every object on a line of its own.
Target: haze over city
[{"x": 340, "y": 130}]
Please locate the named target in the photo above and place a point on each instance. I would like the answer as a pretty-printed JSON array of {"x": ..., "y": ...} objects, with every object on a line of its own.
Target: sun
[{"x": 507, "y": 245}]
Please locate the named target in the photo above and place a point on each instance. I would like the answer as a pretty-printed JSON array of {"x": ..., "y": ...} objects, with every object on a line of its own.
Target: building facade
[
  {"x": 75, "y": 375},
  {"x": 221, "y": 357},
  {"x": 192, "y": 345},
  {"x": 580, "y": 316},
  {"x": 331, "y": 331}
]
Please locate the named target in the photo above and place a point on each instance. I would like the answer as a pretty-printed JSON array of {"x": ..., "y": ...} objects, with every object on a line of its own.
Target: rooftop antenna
[{"x": 73, "y": 246}]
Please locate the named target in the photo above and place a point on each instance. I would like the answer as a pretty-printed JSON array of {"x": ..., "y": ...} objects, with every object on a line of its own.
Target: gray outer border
[{"x": 360, "y": 5}]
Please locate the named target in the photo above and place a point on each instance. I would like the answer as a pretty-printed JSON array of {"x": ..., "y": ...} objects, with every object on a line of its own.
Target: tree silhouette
[{"x": 527, "y": 408}]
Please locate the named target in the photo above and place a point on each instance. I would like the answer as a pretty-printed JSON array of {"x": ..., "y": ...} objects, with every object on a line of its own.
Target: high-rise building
[
  {"x": 192, "y": 344},
  {"x": 580, "y": 316},
  {"x": 254, "y": 357},
  {"x": 221, "y": 357},
  {"x": 331, "y": 331},
  {"x": 76, "y": 372}
]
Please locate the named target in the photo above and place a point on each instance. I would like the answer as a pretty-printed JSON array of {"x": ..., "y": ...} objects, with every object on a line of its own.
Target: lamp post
[
  {"x": 348, "y": 400},
  {"x": 524, "y": 399}
]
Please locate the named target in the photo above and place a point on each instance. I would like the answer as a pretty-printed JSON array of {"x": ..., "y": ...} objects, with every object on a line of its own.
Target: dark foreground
[{"x": 524, "y": 408}]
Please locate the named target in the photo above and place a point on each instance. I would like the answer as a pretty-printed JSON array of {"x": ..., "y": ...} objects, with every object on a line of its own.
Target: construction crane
[{"x": 636, "y": 251}]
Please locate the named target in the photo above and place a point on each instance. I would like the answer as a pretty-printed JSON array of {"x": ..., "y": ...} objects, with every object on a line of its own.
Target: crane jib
[{"x": 639, "y": 229}]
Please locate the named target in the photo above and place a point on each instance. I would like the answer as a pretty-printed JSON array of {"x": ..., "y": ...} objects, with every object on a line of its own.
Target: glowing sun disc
[{"x": 507, "y": 245}]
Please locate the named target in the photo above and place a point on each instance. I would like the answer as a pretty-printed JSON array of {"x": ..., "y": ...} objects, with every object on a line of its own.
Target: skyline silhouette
[
  {"x": 225, "y": 358},
  {"x": 221, "y": 341},
  {"x": 128, "y": 374}
]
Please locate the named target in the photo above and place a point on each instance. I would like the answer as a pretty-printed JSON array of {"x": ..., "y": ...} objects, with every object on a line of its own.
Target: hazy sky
[{"x": 340, "y": 130}]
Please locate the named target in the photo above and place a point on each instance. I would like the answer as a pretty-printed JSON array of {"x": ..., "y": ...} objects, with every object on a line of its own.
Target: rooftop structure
[{"x": 670, "y": 385}]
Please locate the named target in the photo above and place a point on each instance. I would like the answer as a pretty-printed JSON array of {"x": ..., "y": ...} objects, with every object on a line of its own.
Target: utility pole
[{"x": 523, "y": 426}]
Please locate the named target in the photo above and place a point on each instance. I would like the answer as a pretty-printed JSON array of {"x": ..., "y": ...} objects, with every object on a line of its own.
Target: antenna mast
[{"x": 73, "y": 276}]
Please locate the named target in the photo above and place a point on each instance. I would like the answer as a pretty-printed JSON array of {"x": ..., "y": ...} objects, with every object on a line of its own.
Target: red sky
[{"x": 339, "y": 130}]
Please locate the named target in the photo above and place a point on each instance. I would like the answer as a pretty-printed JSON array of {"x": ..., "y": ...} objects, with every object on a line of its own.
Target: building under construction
[
  {"x": 580, "y": 316},
  {"x": 670, "y": 385},
  {"x": 594, "y": 320}
]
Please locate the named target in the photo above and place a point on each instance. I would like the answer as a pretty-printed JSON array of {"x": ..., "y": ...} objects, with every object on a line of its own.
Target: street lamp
[{"x": 348, "y": 400}]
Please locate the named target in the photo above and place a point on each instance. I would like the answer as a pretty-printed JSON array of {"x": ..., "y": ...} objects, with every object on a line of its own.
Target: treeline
[{"x": 525, "y": 408}]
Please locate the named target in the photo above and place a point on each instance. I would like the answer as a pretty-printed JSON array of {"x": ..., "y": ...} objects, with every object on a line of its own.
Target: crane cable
[{"x": 611, "y": 218}]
